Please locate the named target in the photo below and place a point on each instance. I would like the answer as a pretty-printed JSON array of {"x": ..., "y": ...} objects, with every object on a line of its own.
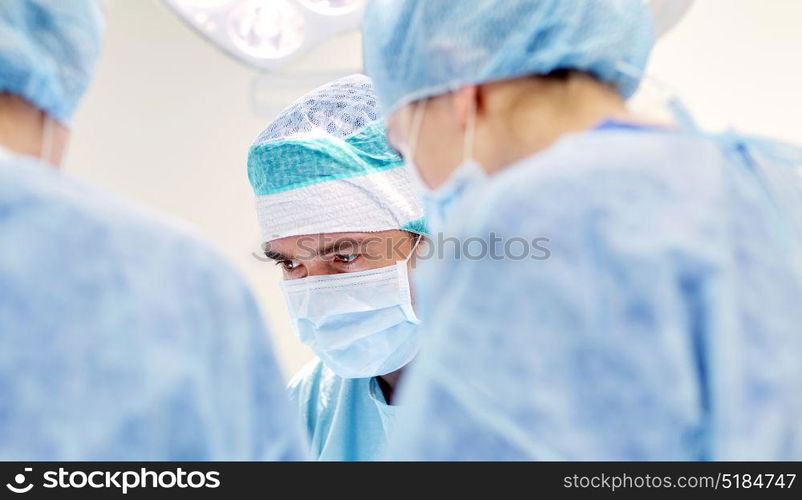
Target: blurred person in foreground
[
  {"x": 665, "y": 325},
  {"x": 122, "y": 336}
]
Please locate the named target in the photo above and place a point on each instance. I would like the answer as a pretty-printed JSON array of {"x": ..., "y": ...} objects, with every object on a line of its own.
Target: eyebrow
[
  {"x": 276, "y": 256},
  {"x": 327, "y": 250}
]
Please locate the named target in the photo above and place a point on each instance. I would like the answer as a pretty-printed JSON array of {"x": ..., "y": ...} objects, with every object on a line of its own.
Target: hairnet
[
  {"x": 325, "y": 166},
  {"x": 421, "y": 48},
  {"x": 48, "y": 50}
]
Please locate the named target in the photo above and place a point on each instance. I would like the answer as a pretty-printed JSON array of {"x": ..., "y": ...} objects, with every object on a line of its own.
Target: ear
[{"x": 465, "y": 101}]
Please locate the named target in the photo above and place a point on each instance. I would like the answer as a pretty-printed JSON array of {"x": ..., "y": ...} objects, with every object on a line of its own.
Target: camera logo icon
[{"x": 19, "y": 483}]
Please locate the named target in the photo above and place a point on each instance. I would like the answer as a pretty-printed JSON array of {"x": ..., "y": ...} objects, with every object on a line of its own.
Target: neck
[
  {"x": 388, "y": 387},
  {"x": 528, "y": 115},
  {"x": 23, "y": 128}
]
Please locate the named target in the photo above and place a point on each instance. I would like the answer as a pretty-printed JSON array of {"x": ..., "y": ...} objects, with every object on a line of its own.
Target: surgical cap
[
  {"x": 422, "y": 48},
  {"x": 48, "y": 51},
  {"x": 325, "y": 166}
]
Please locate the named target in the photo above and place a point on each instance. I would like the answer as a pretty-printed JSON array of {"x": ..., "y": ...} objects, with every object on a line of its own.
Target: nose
[{"x": 317, "y": 267}]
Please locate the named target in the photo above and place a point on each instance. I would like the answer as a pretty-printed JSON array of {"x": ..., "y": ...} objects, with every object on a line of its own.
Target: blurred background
[{"x": 169, "y": 118}]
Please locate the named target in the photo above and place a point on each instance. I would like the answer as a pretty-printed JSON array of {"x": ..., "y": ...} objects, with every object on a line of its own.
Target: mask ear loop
[
  {"x": 404, "y": 283},
  {"x": 414, "y": 131},
  {"x": 469, "y": 144},
  {"x": 415, "y": 246},
  {"x": 470, "y": 132},
  {"x": 412, "y": 145},
  {"x": 46, "y": 152}
]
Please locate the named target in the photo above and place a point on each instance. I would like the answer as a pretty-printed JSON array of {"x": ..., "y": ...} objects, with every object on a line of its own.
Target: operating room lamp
[{"x": 268, "y": 34}]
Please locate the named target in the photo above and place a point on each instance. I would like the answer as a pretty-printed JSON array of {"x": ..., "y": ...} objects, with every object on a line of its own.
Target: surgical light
[{"x": 268, "y": 34}]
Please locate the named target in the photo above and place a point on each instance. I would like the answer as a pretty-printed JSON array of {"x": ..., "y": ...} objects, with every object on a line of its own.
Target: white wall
[
  {"x": 168, "y": 122},
  {"x": 738, "y": 62},
  {"x": 169, "y": 119}
]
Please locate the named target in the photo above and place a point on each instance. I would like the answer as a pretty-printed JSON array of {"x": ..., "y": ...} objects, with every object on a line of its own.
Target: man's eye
[
  {"x": 346, "y": 258},
  {"x": 289, "y": 265}
]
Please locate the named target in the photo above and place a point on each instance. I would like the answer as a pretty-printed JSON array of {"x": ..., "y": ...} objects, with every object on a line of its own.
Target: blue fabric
[
  {"x": 296, "y": 162},
  {"x": 122, "y": 338},
  {"x": 346, "y": 419},
  {"x": 664, "y": 326},
  {"x": 48, "y": 51},
  {"x": 418, "y": 226},
  {"x": 415, "y": 49},
  {"x": 624, "y": 125}
]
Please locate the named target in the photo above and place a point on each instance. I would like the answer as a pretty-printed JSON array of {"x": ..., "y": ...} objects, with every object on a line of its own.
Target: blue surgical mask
[
  {"x": 464, "y": 183},
  {"x": 360, "y": 324}
]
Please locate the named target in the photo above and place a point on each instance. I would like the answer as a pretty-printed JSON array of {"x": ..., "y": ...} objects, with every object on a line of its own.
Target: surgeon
[
  {"x": 664, "y": 325},
  {"x": 122, "y": 336},
  {"x": 340, "y": 216}
]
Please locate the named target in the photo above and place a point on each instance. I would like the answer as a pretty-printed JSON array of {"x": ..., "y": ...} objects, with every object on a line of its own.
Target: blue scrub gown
[
  {"x": 665, "y": 325},
  {"x": 345, "y": 419},
  {"x": 123, "y": 338}
]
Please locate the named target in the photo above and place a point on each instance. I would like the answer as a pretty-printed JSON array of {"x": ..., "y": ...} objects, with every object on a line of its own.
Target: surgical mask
[
  {"x": 439, "y": 204},
  {"x": 359, "y": 324}
]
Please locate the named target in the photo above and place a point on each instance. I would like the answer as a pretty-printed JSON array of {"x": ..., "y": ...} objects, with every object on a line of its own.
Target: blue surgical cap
[
  {"x": 422, "y": 48},
  {"x": 48, "y": 51}
]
